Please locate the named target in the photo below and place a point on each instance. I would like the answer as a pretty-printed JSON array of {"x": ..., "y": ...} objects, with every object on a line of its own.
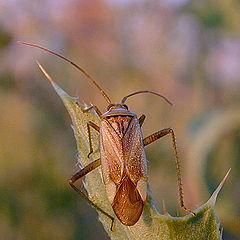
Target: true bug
[{"x": 123, "y": 160}]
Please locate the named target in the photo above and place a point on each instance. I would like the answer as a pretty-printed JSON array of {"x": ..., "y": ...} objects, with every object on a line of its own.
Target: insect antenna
[
  {"x": 145, "y": 91},
  {"x": 74, "y": 64}
]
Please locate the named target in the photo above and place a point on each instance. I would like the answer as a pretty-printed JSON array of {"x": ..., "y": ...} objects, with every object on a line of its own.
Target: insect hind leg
[
  {"x": 81, "y": 173},
  {"x": 155, "y": 136}
]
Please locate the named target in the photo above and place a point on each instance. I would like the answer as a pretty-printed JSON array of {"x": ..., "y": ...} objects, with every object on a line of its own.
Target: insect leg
[
  {"x": 93, "y": 125},
  {"x": 89, "y": 108},
  {"x": 81, "y": 173},
  {"x": 141, "y": 119},
  {"x": 96, "y": 127},
  {"x": 95, "y": 108},
  {"x": 156, "y": 136}
]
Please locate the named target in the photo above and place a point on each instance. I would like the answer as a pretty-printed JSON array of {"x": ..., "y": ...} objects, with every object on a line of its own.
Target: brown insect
[{"x": 123, "y": 160}]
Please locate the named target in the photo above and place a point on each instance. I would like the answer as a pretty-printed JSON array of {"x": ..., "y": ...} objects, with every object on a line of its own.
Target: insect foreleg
[
  {"x": 156, "y": 136},
  {"x": 141, "y": 119},
  {"x": 96, "y": 127},
  {"x": 81, "y": 173},
  {"x": 95, "y": 108}
]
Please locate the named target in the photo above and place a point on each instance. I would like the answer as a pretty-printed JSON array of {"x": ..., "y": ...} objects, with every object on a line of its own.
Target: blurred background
[{"x": 186, "y": 50}]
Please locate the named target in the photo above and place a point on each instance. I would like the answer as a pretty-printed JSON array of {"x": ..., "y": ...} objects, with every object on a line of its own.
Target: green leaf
[{"x": 151, "y": 225}]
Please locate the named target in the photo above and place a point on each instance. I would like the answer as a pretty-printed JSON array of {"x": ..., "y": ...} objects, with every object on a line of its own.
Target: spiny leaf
[{"x": 151, "y": 225}]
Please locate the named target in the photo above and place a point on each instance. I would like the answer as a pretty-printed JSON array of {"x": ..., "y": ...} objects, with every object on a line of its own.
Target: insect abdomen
[{"x": 127, "y": 203}]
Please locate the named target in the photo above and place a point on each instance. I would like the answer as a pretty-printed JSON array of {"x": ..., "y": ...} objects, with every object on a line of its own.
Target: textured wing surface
[
  {"x": 113, "y": 130},
  {"x": 134, "y": 154},
  {"x": 124, "y": 164}
]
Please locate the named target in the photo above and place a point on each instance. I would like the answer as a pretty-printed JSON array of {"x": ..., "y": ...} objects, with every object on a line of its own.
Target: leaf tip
[
  {"x": 59, "y": 90},
  {"x": 213, "y": 198},
  {"x": 45, "y": 72}
]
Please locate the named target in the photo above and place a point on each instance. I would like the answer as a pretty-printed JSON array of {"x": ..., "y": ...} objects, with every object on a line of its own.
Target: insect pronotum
[{"x": 122, "y": 155}]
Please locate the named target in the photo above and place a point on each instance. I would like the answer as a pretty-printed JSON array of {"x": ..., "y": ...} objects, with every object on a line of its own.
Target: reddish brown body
[{"x": 124, "y": 164}]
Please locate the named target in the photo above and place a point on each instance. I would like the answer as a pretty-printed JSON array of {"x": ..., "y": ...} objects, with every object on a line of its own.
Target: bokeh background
[{"x": 187, "y": 50}]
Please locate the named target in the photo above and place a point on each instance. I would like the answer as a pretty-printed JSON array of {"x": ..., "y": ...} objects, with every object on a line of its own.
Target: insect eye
[{"x": 110, "y": 106}]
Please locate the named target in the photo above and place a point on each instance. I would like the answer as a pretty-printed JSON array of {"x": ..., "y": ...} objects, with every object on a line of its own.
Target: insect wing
[
  {"x": 134, "y": 154},
  {"x": 124, "y": 167},
  {"x": 112, "y": 157}
]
